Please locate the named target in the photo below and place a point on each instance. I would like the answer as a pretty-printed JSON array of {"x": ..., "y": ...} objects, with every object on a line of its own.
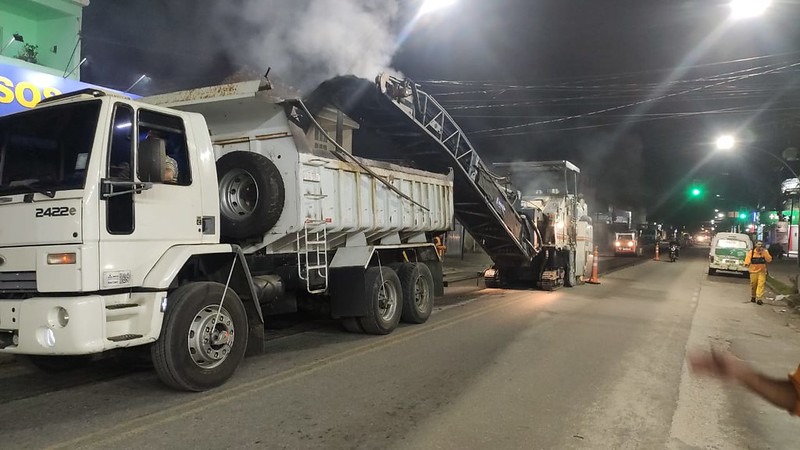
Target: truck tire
[
  {"x": 193, "y": 352},
  {"x": 417, "y": 283},
  {"x": 55, "y": 364},
  {"x": 712, "y": 271},
  {"x": 385, "y": 304},
  {"x": 251, "y": 195}
]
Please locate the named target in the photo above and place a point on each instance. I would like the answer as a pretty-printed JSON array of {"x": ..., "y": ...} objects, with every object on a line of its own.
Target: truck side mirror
[{"x": 151, "y": 159}]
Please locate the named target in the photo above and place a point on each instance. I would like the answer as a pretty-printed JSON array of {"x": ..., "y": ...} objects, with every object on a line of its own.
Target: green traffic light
[
  {"x": 742, "y": 216},
  {"x": 695, "y": 192}
]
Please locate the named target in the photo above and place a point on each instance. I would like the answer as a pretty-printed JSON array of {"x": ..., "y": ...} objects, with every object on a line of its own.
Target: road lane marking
[{"x": 131, "y": 427}]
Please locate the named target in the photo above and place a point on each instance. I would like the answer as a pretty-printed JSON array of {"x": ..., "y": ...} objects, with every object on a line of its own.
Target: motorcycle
[{"x": 673, "y": 252}]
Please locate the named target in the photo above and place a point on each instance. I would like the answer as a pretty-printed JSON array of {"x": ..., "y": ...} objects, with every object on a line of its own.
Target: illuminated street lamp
[
  {"x": 434, "y": 5},
  {"x": 745, "y": 9},
  {"x": 728, "y": 142}
]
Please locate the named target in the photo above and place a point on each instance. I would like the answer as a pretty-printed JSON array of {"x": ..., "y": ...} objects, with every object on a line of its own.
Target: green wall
[{"x": 53, "y": 25}]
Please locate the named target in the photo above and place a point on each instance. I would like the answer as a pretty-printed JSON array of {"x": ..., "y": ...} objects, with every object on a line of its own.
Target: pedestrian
[
  {"x": 783, "y": 393},
  {"x": 756, "y": 260}
]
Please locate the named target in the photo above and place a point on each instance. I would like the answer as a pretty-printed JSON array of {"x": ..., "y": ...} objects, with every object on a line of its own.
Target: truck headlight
[
  {"x": 46, "y": 337},
  {"x": 617, "y": 244},
  {"x": 60, "y": 258},
  {"x": 630, "y": 243}
]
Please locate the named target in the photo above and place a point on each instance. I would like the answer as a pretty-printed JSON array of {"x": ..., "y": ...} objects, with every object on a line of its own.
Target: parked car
[{"x": 728, "y": 251}]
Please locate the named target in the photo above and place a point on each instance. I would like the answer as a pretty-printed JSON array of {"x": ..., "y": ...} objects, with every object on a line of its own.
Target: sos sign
[
  {"x": 24, "y": 93},
  {"x": 21, "y": 88}
]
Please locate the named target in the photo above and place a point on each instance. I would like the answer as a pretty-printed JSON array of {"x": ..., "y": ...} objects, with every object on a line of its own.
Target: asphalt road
[{"x": 589, "y": 367}]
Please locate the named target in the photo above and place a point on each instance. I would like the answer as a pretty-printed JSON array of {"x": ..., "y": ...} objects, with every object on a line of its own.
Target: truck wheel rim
[
  {"x": 422, "y": 294},
  {"x": 238, "y": 194},
  {"x": 387, "y": 301},
  {"x": 211, "y": 340}
]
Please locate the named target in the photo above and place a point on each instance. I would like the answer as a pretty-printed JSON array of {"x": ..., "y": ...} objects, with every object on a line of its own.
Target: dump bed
[{"x": 324, "y": 185}]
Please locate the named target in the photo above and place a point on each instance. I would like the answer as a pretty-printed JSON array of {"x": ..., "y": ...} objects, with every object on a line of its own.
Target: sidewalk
[{"x": 784, "y": 271}]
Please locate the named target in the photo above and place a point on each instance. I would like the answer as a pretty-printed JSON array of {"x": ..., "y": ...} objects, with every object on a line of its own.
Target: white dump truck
[{"x": 180, "y": 221}]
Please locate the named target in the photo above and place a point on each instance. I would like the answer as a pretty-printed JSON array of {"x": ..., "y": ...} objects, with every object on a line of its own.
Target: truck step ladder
[{"x": 312, "y": 255}]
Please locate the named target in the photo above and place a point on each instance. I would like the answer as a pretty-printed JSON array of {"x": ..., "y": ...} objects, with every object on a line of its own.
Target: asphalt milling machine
[{"x": 541, "y": 237}]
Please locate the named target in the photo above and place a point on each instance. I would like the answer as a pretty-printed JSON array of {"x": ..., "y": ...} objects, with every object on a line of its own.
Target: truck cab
[{"x": 87, "y": 211}]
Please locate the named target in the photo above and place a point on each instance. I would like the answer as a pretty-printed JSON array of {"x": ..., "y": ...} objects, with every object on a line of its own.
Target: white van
[{"x": 728, "y": 251}]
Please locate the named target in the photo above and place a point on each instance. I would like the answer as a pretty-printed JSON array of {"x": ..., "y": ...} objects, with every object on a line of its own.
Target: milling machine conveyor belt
[{"x": 423, "y": 132}]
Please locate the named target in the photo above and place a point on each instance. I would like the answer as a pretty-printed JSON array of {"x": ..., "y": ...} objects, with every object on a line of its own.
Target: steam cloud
[{"x": 309, "y": 41}]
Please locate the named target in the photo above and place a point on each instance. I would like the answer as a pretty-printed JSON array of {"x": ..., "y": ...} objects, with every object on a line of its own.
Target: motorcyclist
[{"x": 675, "y": 246}]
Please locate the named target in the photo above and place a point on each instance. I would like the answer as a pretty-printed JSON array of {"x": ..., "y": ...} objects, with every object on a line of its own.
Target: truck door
[{"x": 137, "y": 228}]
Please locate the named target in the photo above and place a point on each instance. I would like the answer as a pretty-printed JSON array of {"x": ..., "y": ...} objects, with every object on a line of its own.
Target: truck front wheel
[
  {"x": 384, "y": 304},
  {"x": 201, "y": 343}
]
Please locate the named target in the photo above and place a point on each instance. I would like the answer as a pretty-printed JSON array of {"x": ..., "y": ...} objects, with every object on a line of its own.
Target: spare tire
[{"x": 251, "y": 195}]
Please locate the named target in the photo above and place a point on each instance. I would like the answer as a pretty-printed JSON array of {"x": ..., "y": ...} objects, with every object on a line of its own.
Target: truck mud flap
[{"x": 348, "y": 294}]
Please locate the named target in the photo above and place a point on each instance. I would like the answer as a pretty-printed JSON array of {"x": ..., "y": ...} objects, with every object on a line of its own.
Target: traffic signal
[{"x": 695, "y": 191}]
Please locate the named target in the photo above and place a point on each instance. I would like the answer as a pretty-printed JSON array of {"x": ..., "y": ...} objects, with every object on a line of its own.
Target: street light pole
[{"x": 727, "y": 142}]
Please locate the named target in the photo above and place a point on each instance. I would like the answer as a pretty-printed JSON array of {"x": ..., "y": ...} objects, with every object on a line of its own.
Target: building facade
[{"x": 40, "y": 43}]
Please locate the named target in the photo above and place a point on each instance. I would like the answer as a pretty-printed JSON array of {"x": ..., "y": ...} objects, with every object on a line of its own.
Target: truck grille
[{"x": 17, "y": 283}]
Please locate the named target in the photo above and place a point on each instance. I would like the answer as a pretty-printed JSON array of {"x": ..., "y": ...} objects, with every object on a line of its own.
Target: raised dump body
[{"x": 347, "y": 196}]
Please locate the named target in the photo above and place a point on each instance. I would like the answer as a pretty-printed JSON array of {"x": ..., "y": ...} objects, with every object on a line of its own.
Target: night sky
[{"x": 633, "y": 91}]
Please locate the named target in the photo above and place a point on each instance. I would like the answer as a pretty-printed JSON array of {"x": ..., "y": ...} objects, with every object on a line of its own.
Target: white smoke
[{"x": 308, "y": 41}]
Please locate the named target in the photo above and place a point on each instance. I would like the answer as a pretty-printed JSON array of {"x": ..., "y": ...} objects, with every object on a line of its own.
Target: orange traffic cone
[
  {"x": 656, "y": 258},
  {"x": 593, "y": 279}
]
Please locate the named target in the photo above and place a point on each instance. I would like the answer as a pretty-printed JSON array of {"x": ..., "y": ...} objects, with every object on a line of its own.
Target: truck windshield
[{"x": 46, "y": 150}]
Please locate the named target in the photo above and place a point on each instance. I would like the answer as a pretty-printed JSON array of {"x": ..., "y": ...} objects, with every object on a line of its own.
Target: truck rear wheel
[
  {"x": 195, "y": 351},
  {"x": 251, "y": 194},
  {"x": 384, "y": 296},
  {"x": 417, "y": 283}
]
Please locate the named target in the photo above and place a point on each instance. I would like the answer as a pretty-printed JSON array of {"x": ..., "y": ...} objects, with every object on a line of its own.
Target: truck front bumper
[{"x": 78, "y": 325}]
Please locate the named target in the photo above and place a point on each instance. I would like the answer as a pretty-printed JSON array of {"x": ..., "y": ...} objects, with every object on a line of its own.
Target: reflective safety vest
[{"x": 757, "y": 259}]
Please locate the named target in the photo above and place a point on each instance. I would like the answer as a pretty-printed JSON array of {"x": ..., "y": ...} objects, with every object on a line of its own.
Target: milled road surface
[{"x": 588, "y": 367}]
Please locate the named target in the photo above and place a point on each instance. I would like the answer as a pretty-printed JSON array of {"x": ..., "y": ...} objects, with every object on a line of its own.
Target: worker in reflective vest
[{"x": 757, "y": 260}]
